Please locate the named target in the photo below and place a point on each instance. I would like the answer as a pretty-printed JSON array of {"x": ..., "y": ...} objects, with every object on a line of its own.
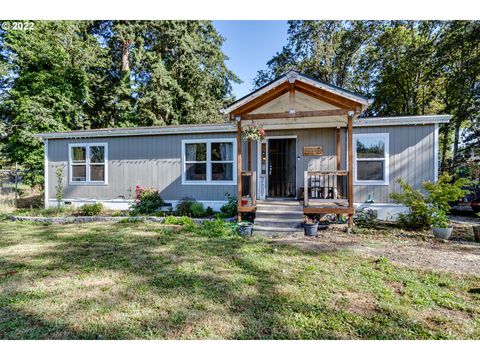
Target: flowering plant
[
  {"x": 147, "y": 201},
  {"x": 309, "y": 221},
  {"x": 253, "y": 132}
]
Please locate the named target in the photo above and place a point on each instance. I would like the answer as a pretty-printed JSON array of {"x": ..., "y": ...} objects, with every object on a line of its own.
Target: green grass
[{"x": 146, "y": 280}]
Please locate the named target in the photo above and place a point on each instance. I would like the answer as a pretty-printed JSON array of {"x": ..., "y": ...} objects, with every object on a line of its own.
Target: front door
[{"x": 281, "y": 168}]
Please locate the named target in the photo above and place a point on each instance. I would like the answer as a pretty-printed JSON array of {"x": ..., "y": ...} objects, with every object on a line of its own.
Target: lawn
[{"x": 146, "y": 280}]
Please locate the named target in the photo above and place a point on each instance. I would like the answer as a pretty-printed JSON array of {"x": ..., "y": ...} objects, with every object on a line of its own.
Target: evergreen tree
[{"x": 68, "y": 75}]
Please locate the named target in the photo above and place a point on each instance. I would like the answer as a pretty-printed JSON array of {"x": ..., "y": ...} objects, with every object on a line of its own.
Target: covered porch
[{"x": 306, "y": 152}]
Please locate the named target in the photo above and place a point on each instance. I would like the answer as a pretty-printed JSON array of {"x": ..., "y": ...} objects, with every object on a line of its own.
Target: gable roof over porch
[{"x": 296, "y": 99}]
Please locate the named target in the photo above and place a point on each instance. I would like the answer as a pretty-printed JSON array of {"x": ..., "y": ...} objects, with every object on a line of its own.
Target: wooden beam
[
  {"x": 350, "y": 167},
  {"x": 326, "y": 96},
  {"x": 328, "y": 210},
  {"x": 299, "y": 114},
  {"x": 239, "y": 170},
  {"x": 291, "y": 99},
  {"x": 263, "y": 99},
  {"x": 242, "y": 209},
  {"x": 338, "y": 148},
  {"x": 305, "y": 189},
  {"x": 254, "y": 185},
  {"x": 337, "y": 183},
  {"x": 249, "y": 155}
]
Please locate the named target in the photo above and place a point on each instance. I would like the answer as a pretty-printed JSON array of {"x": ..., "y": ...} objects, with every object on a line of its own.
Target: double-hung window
[
  {"x": 209, "y": 162},
  {"x": 370, "y": 159},
  {"x": 88, "y": 163}
]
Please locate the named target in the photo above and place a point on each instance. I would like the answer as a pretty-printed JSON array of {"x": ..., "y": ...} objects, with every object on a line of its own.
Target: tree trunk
[
  {"x": 456, "y": 141},
  {"x": 126, "y": 55}
]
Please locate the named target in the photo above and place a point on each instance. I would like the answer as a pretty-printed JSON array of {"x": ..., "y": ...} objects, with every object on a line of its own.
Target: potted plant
[
  {"x": 440, "y": 226},
  {"x": 310, "y": 226},
  {"x": 476, "y": 230},
  {"x": 245, "y": 228},
  {"x": 253, "y": 133}
]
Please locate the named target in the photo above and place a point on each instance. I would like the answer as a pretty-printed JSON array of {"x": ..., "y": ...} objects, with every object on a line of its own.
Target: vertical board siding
[
  {"x": 141, "y": 160},
  {"x": 156, "y": 161}
]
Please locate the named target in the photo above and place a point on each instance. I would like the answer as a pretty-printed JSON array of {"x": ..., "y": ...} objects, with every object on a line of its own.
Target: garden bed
[{"x": 88, "y": 219}]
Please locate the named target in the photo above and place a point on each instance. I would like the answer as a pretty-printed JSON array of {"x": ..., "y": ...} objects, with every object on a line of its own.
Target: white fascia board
[
  {"x": 254, "y": 95},
  {"x": 402, "y": 120},
  {"x": 293, "y": 76},
  {"x": 114, "y": 132}
]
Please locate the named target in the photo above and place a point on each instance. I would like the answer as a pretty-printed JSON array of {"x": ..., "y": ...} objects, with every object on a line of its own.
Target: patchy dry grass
[{"x": 143, "y": 280}]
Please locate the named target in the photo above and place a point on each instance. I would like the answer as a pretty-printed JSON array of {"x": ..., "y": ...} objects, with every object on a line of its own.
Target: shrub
[
  {"x": 209, "y": 211},
  {"x": 184, "y": 207},
  {"x": 426, "y": 208},
  {"x": 90, "y": 209},
  {"x": 182, "y": 220},
  {"x": 366, "y": 218},
  {"x": 147, "y": 201},
  {"x": 439, "y": 219},
  {"x": 197, "y": 210},
  {"x": 59, "y": 186},
  {"x": 215, "y": 229},
  {"x": 230, "y": 208}
]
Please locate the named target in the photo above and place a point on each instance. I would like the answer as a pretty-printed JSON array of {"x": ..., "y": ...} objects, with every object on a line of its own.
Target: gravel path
[{"x": 418, "y": 250}]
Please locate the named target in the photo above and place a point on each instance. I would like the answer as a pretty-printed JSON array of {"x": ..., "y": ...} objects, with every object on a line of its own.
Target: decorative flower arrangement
[{"x": 254, "y": 133}]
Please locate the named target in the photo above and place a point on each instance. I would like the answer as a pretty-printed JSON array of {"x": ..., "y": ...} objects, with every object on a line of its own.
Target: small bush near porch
[{"x": 145, "y": 280}]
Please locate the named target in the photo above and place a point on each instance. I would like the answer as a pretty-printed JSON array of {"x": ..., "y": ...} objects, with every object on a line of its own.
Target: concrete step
[
  {"x": 273, "y": 215},
  {"x": 278, "y": 224},
  {"x": 281, "y": 209},
  {"x": 280, "y": 203},
  {"x": 277, "y": 229}
]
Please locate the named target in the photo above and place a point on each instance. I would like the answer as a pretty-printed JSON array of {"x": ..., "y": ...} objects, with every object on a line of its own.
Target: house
[{"x": 318, "y": 155}]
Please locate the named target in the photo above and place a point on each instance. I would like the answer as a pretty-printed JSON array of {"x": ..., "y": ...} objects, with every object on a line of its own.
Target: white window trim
[
  {"x": 87, "y": 164},
  {"x": 209, "y": 162},
  {"x": 385, "y": 180}
]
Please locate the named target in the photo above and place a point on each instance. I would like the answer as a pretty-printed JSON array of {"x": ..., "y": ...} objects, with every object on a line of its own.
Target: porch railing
[
  {"x": 325, "y": 186},
  {"x": 249, "y": 188}
]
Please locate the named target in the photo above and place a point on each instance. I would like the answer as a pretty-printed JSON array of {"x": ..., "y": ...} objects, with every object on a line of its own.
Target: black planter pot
[
  {"x": 245, "y": 230},
  {"x": 310, "y": 229}
]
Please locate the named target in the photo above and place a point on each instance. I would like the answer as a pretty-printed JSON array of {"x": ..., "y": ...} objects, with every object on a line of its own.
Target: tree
[
  {"x": 458, "y": 63},
  {"x": 69, "y": 75},
  {"x": 403, "y": 58},
  {"x": 407, "y": 67},
  {"x": 331, "y": 51},
  {"x": 50, "y": 82}
]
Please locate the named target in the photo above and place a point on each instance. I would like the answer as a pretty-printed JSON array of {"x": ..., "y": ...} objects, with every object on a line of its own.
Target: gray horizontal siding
[
  {"x": 141, "y": 160},
  {"x": 412, "y": 158},
  {"x": 156, "y": 161}
]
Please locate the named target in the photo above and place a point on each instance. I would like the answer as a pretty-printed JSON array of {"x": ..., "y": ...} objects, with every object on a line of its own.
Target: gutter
[
  {"x": 230, "y": 128},
  {"x": 115, "y": 132},
  {"x": 402, "y": 120}
]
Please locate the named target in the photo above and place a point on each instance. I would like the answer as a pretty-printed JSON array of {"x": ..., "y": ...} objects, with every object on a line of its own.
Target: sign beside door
[{"x": 312, "y": 150}]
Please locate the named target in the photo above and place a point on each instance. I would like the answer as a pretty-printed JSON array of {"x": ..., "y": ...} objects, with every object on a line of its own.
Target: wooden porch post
[
  {"x": 337, "y": 184},
  {"x": 239, "y": 169},
  {"x": 338, "y": 148},
  {"x": 350, "y": 167},
  {"x": 249, "y": 155}
]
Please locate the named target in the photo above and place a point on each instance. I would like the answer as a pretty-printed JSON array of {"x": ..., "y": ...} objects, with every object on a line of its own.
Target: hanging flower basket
[{"x": 254, "y": 133}]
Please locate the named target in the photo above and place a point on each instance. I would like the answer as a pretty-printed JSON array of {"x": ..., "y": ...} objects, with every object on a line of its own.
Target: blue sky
[{"x": 249, "y": 45}]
